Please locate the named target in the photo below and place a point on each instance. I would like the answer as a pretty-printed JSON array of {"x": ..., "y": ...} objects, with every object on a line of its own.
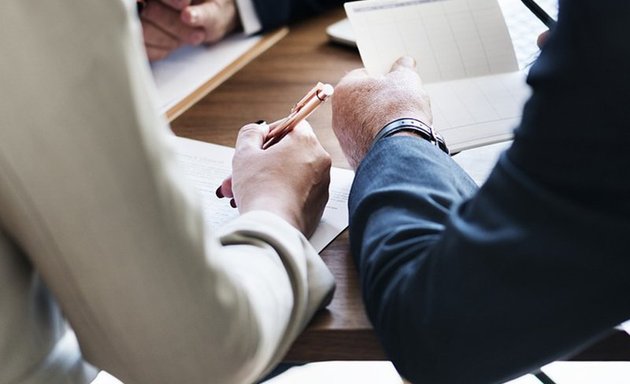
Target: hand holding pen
[
  {"x": 282, "y": 167},
  {"x": 280, "y": 128},
  {"x": 290, "y": 179}
]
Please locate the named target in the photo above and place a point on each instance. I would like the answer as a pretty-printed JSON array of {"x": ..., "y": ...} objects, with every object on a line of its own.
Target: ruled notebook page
[{"x": 450, "y": 39}]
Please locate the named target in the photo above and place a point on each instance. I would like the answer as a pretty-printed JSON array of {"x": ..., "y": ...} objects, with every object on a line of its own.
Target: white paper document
[
  {"x": 524, "y": 29},
  {"x": 625, "y": 326},
  {"x": 478, "y": 111},
  {"x": 479, "y": 162},
  {"x": 207, "y": 165},
  {"x": 588, "y": 372},
  {"x": 464, "y": 55},
  {"x": 334, "y": 372},
  {"x": 527, "y": 379},
  {"x": 340, "y": 372},
  {"x": 450, "y": 39},
  {"x": 189, "y": 67}
]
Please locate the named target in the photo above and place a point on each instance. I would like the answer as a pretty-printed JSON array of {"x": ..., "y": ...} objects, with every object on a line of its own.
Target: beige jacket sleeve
[{"x": 93, "y": 195}]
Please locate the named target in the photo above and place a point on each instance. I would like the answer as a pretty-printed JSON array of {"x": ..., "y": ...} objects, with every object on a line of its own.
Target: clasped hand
[{"x": 170, "y": 24}]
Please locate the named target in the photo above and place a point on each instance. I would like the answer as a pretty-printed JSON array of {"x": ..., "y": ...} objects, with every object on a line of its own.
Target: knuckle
[
  {"x": 247, "y": 129},
  {"x": 250, "y": 130},
  {"x": 344, "y": 84},
  {"x": 214, "y": 33},
  {"x": 326, "y": 160}
]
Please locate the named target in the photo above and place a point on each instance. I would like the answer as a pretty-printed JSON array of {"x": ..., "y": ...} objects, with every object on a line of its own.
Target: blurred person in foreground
[{"x": 99, "y": 226}]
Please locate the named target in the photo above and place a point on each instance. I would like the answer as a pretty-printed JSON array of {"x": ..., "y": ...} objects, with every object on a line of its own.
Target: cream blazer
[{"x": 99, "y": 227}]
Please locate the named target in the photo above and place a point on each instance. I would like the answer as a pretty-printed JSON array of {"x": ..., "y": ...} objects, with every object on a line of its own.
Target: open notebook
[
  {"x": 207, "y": 165},
  {"x": 465, "y": 57}
]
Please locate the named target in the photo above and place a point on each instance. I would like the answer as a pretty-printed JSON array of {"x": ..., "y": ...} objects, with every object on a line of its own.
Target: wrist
[
  {"x": 275, "y": 206},
  {"x": 415, "y": 127},
  {"x": 381, "y": 121}
]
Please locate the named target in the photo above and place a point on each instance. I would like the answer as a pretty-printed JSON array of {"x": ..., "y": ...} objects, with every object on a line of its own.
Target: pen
[
  {"x": 540, "y": 13},
  {"x": 303, "y": 109}
]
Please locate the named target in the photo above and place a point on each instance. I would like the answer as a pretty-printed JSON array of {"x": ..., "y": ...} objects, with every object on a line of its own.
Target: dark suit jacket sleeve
[
  {"x": 274, "y": 13},
  {"x": 467, "y": 286}
]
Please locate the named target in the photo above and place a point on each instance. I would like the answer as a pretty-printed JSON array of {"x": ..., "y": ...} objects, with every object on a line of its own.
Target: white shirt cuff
[{"x": 249, "y": 19}]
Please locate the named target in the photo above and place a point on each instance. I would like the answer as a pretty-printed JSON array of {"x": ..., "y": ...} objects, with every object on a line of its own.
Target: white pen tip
[{"x": 325, "y": 91}]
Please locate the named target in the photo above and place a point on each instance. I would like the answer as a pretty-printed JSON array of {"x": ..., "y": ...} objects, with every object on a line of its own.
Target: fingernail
[
  {"x": 219, "y": 193},
  {"x": 233, "y": 203}
]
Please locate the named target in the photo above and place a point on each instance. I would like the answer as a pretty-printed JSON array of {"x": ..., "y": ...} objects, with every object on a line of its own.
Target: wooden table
[{"x": 266, "y": 89}]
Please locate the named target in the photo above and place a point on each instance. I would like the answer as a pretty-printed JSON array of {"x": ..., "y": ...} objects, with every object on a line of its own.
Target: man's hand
[
  {"x": 289, "y": 179},
  {"x": 169, "y": 24},
  {"x": 363, "y": 104}
]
